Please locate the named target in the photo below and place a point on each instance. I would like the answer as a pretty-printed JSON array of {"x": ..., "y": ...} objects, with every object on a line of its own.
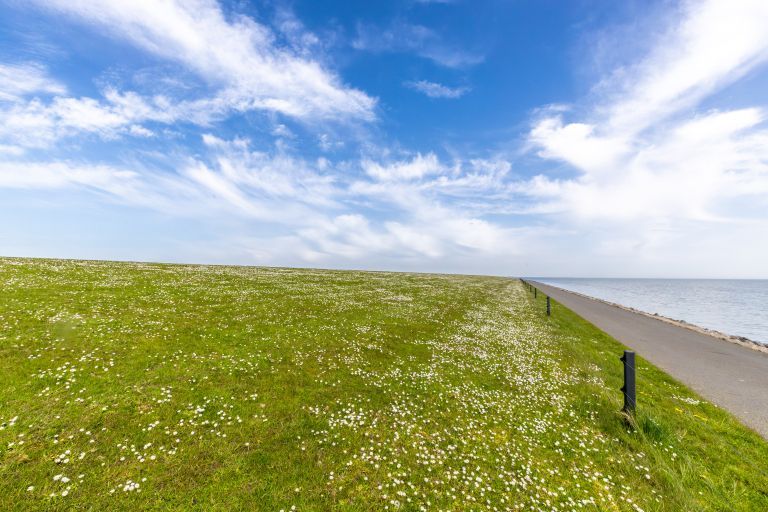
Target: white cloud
[
  {"x": 35, "y": 123},
  {"x": 435, "y": 90},
  {"x": 302, "y": 41},
  {"x": 642, "y": 154},
  {"x": 11, "y": 150},
  {"x": 283, "y": 131},
  {"x": 236, "y": 55},
  {"x": 348, "y": 236},
  {"x": 140, "y": 131},
  {"x": 662, "y": 185},
  {"x": 476, "y": 184},
  {"x": 412, "y": 237},
  {"x": 299, "y": 195},
  {"x": 353, "y": 237},
  {"x": 19, "y": 80},
  {"x": 577, "y": 144},
  {"x": 418, "y": 167},
  {"x": 231, "y": 181},
  {"x": 439, "y": 207},
  {"x": 119, "y": 182},
  {"x": 271, "y": 175},
  {"x": 410, "y": 38},
  {"x": 393, "y": 211},
  {"x": 716, "y": 43}
]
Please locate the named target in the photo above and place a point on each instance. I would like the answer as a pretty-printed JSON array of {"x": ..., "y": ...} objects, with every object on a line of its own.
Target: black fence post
[
  {"x": 630, "y": 400},
  {"x": 549, "y": 307},
  {"x": 535, "y": 292}
]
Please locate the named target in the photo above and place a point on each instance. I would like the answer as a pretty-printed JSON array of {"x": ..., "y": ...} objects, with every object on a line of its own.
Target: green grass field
[{"x": 142, "y": 386}]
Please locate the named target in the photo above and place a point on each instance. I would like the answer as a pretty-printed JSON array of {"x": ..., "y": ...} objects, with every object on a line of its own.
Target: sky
[{"x": 582, "y": 138}]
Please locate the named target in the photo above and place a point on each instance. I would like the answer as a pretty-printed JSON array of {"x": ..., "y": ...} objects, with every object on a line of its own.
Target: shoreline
[{"x": 737, "y": 340}]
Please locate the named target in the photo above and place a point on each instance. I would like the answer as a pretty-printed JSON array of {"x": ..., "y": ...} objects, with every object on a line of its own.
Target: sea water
[{"x": 737, "y": 307}]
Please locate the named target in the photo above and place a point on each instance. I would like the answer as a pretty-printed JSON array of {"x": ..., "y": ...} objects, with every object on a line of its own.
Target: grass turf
[{"x": 143, "y": 386}]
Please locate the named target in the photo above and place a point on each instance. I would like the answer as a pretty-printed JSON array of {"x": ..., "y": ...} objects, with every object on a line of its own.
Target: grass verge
[{"x": 138, "y": 386}]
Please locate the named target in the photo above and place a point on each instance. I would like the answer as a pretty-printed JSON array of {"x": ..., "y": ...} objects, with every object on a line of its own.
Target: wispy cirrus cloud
[
  {"x": 115, "y": 180},
  {"x": 38, "y": 123},
  {"x": 238, "y": 56},
  {"x": 321, "y": 209},
  {"x": 644, "y": 150},
  {"x": 661, "y": 183},
  {"x": 416, "y": 168},
  {"x": 436, "y": 90},
  {"x": 21, "y": 79},
  {"x": 411, "y": 209},
  {"x": 275, "y": 175},
  {"x": 230, "y": 179},
  {"x": 404, "y": 37}
]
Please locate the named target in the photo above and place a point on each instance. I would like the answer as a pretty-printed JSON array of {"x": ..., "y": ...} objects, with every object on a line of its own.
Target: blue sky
[{"x": 580, "y": 138}]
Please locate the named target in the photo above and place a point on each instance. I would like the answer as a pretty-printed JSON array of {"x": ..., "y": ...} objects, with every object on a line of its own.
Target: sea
[{"x": 738, "y": 307}]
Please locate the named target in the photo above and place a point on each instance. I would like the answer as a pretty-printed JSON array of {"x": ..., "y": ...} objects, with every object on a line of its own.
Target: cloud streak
[
  {"x": 435, "y": 90},
  {"x": 404, "y": 37},
  {"x": 19, "y": 80},
  {"x": 315, "y": 209},
  {"x": 237, "y": 56},
  {"x": 37, "y": 124},
  {"x": 642, "y": 153}
]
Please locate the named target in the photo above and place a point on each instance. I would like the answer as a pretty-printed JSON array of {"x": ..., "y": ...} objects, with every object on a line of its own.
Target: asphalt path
[{"x": 730, "y": 375}]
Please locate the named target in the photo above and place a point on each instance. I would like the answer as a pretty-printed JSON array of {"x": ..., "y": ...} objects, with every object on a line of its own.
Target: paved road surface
[{"x": 732, "y": 376}]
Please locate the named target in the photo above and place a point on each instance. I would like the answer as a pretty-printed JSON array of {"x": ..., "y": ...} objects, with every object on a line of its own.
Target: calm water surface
[{"x": 738, "y": 307}]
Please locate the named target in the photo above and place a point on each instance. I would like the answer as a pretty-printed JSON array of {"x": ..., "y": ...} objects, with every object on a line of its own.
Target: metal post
[
  {"x": 549, "y": 307},
  {"x": 630, "y": 399}
]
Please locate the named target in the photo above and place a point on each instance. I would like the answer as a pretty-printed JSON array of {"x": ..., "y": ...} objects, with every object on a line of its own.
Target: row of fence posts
[
  {"x": 628, "y": 360},
  {"x": 536, "y": 295}
]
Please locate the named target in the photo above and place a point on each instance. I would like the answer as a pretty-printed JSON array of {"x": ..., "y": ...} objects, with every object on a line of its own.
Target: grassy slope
[{"x": 240, "y": 388}]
